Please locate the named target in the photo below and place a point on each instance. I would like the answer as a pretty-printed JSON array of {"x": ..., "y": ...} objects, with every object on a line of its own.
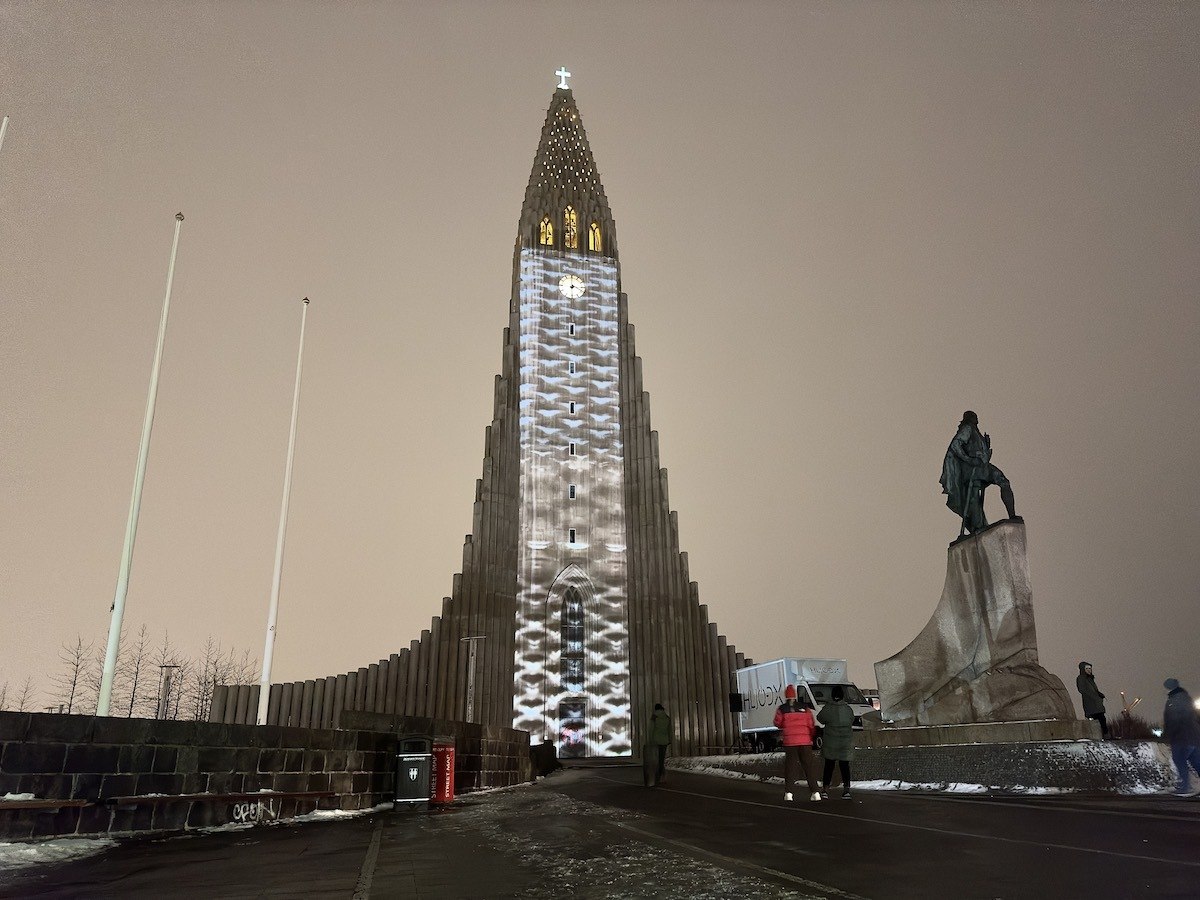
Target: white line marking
[{"x": 362, "y": 890}]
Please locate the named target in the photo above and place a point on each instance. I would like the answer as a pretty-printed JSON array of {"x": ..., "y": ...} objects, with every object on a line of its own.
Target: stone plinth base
[
  {"x": 976, "y": 660},
  {"x": 980, "y": 733},
  {"x": 1124, "y": 767}
]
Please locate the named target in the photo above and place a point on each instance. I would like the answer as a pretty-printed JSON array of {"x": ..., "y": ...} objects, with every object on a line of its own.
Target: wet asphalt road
[{"x": 596, "y": 832}]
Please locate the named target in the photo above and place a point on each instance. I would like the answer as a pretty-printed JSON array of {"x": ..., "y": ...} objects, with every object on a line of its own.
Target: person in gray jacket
[
  {"x": 1093, "y": 700},
  {"x": 1181, "y": 728}
]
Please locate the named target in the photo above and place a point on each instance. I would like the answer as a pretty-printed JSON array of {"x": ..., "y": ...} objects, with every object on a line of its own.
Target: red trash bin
[{"x": 443, "y": 773}]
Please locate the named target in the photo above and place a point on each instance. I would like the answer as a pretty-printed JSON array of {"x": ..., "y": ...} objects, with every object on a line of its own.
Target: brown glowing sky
[{"x": 840, "y": 225}]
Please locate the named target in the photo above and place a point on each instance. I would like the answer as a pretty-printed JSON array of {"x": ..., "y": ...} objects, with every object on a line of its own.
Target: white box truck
[{"x": 761, "y": 688}]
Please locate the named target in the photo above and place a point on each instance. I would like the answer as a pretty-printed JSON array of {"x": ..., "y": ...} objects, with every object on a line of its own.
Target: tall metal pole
[
  {"x": 135, "y": 502},
  {"x": 264, "y": 689}
]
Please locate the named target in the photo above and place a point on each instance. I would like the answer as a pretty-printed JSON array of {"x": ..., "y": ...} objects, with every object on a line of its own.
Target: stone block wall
[
  {"x": 93, "y": 759},
  {"x": 485, "y": 756},
  {"x": 1115, "y": 766}
]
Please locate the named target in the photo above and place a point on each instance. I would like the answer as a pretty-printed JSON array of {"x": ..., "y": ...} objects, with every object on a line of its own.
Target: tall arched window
[
  {"x": 570, "y": 229},
  {"x": 546, "y": 234},
  {"x": 594, "y": 242},
  {"x": 571, "y": 659}
]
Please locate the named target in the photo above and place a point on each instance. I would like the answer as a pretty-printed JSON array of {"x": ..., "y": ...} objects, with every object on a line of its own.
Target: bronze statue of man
[{"x": 966, "y": 473}]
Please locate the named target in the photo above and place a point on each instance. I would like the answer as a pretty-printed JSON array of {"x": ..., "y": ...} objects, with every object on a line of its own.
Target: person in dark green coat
[
  {"x": 837, "y": 718},
  {"x": 659, "y": 739}
]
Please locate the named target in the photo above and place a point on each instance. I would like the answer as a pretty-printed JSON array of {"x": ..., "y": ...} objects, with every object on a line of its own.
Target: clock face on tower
[{"x": 571, "y": 286}]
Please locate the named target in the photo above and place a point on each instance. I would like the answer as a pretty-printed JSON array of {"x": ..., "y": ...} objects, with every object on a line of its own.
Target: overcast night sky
[{"x": 840, "y": 226}]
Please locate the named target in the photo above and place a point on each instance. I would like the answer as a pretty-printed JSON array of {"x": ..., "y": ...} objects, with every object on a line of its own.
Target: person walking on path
[
  {"x": 659, "y": 740},
  {"x": 838, "y": 743},
  {"x": 796, "y": 728},
  {"x": 1183, "y": 731},
  {"x": 1093, "y": 700}
]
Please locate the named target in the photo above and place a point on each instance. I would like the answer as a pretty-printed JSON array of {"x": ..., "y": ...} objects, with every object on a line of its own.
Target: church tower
[
  {"x": 574, "y": 612},
  {"x": 572, "y": 625}
]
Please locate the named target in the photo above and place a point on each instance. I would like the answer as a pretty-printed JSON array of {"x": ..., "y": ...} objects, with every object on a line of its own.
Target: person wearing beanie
[
  {"x": 1182, "y": 730},
  {"x": 1093, "y": 700},
  {"x": 837, "y": 718},
  {"x": 657, "y": 743},
  {"x": 797, "y": 727}
]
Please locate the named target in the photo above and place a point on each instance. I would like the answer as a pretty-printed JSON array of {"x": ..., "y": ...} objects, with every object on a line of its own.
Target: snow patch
[
  {"x": 22, "y": 856},
  {"x": 18, "y": 797},
  {"x": 323, "y": 815}
]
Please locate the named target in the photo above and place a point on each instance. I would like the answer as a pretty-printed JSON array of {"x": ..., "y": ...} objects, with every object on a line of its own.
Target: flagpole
[
  {"x": 135, "y": 502},
  {"x": 264, "y": 690}
]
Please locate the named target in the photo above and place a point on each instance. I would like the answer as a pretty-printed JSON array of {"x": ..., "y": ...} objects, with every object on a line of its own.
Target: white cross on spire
[{"x": 563, "y": 75}]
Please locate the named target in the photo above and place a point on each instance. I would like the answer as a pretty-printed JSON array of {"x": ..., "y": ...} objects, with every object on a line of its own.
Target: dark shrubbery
[{"x": 1130, "y": 727}]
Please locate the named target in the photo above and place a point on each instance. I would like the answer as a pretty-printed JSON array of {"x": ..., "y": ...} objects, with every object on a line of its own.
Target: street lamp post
[
  {"x": 473, "y": 641},
  {"x": 166, "y": 675}
]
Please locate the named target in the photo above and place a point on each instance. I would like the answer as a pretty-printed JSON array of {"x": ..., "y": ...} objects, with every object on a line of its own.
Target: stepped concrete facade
[
  {"x": 976, "y": 661},
  {"x": 572, "y": 573}
]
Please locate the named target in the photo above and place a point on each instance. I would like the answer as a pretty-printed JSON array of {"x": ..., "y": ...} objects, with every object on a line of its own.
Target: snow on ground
[
  {"x": 18, "y": 797},
  {"x": 324, "y": 815},
  {"x": 1146, "y": 768},
  {"x": 571, "y": 842},
  {"x": 20, "y": 856}
]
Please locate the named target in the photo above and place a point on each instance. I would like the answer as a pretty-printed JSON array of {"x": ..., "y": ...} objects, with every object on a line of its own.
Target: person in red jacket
[{"x": 796, "y": 728}]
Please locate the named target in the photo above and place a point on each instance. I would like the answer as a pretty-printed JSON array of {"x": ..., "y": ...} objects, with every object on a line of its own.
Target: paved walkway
[{"x": 597, "y": 833}]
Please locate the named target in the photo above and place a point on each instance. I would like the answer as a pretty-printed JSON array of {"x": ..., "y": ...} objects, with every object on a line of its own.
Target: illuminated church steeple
[
  {"x": 565, "y": 207},
  {"x": 574, "y": 612}
]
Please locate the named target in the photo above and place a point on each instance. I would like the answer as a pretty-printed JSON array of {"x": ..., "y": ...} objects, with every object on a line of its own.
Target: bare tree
[
  {"x": 4, "y": 696},
  {"x": 70, "y": 679},
  {"x": 87, "y": 694},
  {"x": 134, "y": 684},
  {"x": 25, "y": 698},
  {"x": 216, "y": 667}
]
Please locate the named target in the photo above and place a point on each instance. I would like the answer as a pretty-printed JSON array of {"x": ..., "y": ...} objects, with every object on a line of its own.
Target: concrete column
[
  {"x": 285, "y": 704},
  {"x": 316, "y": 715},
  {"x": 306, "y": 700}
]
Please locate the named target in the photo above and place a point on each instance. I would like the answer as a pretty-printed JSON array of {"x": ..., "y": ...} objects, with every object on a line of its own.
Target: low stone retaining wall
[
  {"x": 484, "y": 757},
  {"x": 129, "y": 776},
  {"x": 1115, "y": 766}
]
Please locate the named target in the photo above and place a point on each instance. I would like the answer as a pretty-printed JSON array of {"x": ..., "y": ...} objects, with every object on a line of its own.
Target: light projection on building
[{"x": 572, "y": 640}]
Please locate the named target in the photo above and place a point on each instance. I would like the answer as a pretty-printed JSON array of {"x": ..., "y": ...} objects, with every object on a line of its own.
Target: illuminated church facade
[{"x": 573, "y": 582}]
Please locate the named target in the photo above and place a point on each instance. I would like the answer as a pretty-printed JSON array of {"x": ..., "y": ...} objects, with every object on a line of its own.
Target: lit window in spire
[
  {"x": 546, "y": 235},
  {"x": 570, "y": 229},
  {"x": 594, "y": 242}
]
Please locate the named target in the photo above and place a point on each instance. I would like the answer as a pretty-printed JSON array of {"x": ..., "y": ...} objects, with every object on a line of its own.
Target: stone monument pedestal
[{"x": 976, "y": 660}]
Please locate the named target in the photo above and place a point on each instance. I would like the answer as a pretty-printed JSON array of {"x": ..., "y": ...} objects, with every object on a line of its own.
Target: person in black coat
[
  {"x": 1093, "y": 700},
  {"x": 1182, "y": 729}
]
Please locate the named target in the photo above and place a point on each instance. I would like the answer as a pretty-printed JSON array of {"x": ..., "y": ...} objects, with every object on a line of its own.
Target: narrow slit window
[
  {"x": 571, "y": 329},
  {"x": 571, "y": 491},
  {"x": 571, "y": 407},
  {"x": 572, "y": 451},
  {"x": 571, "y": 367},
  {"x": 571, "y": 536},
  {"x": 572, "y": 637}
]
